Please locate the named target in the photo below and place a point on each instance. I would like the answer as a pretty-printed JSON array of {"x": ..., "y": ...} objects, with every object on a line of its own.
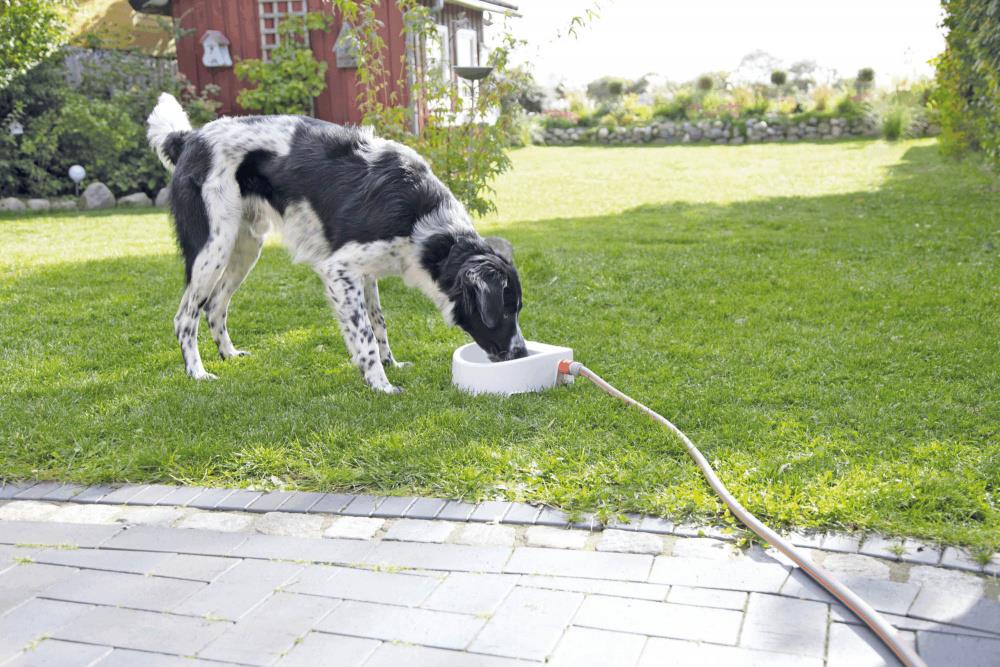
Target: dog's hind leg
[
  {"x": 374, "y": 307},
  {"x": 345, "y": 290},
  {"x": 245, "y": 253},
  {"x": 222, "y": 206}
]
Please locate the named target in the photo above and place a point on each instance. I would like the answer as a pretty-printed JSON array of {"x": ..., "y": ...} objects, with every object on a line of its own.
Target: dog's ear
[
  {"x": 502, "y": 247},
  {"x": 484, "y": 288}
]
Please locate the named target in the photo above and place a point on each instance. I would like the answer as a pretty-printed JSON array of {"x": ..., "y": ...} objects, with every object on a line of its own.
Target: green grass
[{"x": 822, "y": 319}]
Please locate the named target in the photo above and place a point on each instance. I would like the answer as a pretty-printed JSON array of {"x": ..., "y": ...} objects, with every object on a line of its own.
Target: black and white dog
[{"x": 352, "y": 205}]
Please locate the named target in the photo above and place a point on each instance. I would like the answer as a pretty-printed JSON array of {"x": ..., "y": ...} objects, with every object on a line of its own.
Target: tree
[
  {"x": 865, "y": 79},
  {"x": 611, "y": 88},
  {"x": 779, "y": 78},
  {"x": 29, "y": 32},
  {"x": 705, "y": 83},
  {"x": 803, "y": 74},
  {"x": 756, "y": 66}
]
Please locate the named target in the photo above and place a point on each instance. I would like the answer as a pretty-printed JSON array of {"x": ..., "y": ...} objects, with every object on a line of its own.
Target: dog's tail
[{"x": 169, "y": 127}]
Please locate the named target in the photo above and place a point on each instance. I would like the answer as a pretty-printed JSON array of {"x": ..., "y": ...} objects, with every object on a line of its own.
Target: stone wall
[{"x": 720, "y": 132}]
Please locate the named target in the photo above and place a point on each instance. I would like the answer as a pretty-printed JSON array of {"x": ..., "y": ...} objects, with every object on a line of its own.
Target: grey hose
[{"x": 835, "y": 587}]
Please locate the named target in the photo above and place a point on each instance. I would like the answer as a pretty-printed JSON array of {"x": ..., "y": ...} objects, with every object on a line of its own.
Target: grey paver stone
[
  {"x": 32, "y": 620},
  {"x": 522, "y": 514},
  {"x": 881, "y": 546},
  {"x": 528, "y": 624},
  {"x": 142, "y": 630},
  {"x": 660, "y": 619},
  {"x": 805, "y": 539},
  {"x": 120, "y": 589},
  {"x": 270, "y": 630},
  {"x": 959, "y": 583},
  {"x": 147, "y": 515},
  {"x": 238, "y": 500},
  {"x": 707, "y": 597},
  {"x": 455, "y": 557},
  {"x": 626, "y": 522},
  {"x": 425, "y": 508},
  {"x": 857, "y": 565},
  {"x": 552, "y": 517},
  {"x": 362, "y": 505},
  {"x": 416, "y": 530},
  {"x": 627, "y": 589},
  {"x": 555, "y": 538},
  {"x": 888, "y": 596},
  {"x": 588, "y": 522},
  {"x": 676, "y": 653},
  {"x": 742, "y": 574},
  {"x": 303, "y": 501},
  {"x": 228, "y": 522},
  {"x": 112, "y": 560},
  {"x": 469, "y": 593},
  {"x": 943, "y": 649},
  {"x": 27, "y": 510},
  {"x": 490, "y": 511},
  {"x": 38, "y": 491},
  {"x": 26, "y": 580},
  {"x": 856, "y": 646},
  {"x": 958, "y": 607},
  {"x": 317, "y": 648},
  {"x": 195, "y": 568},
  {"x": 784, "y": 625},
  {"x": 369, "y": 586},
  {"x": 332, "y": 503},
  {"x": 10, "y": 489},
  {"x": 239, "y": 590},
  {"x": 55, "y": 653},
  {"x": 417, "y": 626},
  {"x": 486, "y": 534},
  {"x": 177, "y": 540},
  {"x": 394, "y": 506},
  {"x": 270, "y": 501},
  {"x": 842, "y": 542},
  {"x": 304, "y": 549},
  {"x": 123, "y": 657},
  {"x": 631, "y": 542},
  {"x": 291, "y": 524},
  {"x": 123, "y": 494},
  {"x": 151, "y": 494},
  {"x": 55, "y": 534},
  {"x": 354, "y": 527},
  {"x": 93, "y": 494},
  {"x": 918, "y": 552},
  {"x": 840, "y": 614},
  {"x": 181, "y": 496},
  {"x": 585, "y": 564},
  {"x": 587, "y": 647},
  {"x": 707, "y": 548},
  {"x": 960, "y": 559},
  {"x": 394, "y": 655},
  {"x": 455, "y": 510},
  {"x": 209, "y": 498}
]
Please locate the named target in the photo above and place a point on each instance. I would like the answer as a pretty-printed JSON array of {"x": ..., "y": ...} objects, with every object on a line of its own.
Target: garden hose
[{"x": 885, "y": 632}]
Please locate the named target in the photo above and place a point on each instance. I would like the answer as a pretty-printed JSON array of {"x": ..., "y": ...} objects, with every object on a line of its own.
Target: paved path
[{"x": 104, "y": 584}]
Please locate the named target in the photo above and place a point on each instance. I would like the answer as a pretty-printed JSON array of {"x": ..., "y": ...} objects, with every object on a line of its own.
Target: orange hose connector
[{"x": 885, "y": 632}]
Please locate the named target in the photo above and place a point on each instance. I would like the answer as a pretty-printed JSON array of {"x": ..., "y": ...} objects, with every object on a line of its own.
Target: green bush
[
  {"x": 968, "y": 76},
  {"x": 895, "y": 122}
]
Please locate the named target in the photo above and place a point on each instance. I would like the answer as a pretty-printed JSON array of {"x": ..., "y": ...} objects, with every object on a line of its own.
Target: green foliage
[
  {"x": 895, "y": 122},
  {"x": 779, "y": 78},
  {"x": 849, "y": 107},
  {"x": 705, "y": 83},
  {"x": 288, "y": 82},
  {"x": 968, "y": 76},
  {"x": 101, "y": 124},
  {"x": 30, "y": 31},
  {"x": 609, "y": 89}
]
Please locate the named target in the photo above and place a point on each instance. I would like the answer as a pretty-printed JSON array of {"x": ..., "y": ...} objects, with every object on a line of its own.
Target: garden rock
[
  {"x": 63, "y": 204},
  {"x": 11, "y": 204},
  {"x": 39, "y": 204},
  {"x": 163, "y": 197},
  {"x": 135, "y": 200},
  {"x": 97, "y": 195}
]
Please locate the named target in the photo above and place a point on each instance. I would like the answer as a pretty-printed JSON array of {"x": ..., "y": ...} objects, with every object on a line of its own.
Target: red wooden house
[{"x": 246, "y": 29}]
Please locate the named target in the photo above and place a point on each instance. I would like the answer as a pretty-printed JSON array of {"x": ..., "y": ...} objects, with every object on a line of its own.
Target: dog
[{"x": 353, "y": 206}]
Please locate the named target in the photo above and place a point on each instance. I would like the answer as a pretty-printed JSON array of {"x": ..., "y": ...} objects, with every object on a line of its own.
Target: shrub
[
  {"x": 849, "y": 107},
  {"x": 895, "y": 122},
  {"x": 560, "y": 119},
  {"x": 705, "y": 83},
  {"x": 865, "y": 79},
  {"x": 674, "y": 108},
  {"x": 821, "y": 97},
  {"x": 779, "y": 78}
]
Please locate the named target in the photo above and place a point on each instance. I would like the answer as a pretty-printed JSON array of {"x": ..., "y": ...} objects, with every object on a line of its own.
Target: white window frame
[{"x": 466, "y": 47}]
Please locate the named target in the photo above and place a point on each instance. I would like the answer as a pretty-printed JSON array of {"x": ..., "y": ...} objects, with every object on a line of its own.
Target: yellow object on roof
[{"x": 114, "y": 24}]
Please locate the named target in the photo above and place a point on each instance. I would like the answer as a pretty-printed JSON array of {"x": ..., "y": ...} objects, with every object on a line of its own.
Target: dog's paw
[
  {"x": 203, "y": 375},
  {"x": 234, "y": 354},
  {"x": 389, "y": 389},
  {"x": 392, "y": 363}
]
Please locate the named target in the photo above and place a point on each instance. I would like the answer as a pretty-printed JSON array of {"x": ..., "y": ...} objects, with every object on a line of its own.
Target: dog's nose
[{"x": 518, "y": 351}]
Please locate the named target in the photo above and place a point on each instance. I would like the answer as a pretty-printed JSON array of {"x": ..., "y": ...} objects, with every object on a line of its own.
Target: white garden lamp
[{"x": 77, "y": 173}]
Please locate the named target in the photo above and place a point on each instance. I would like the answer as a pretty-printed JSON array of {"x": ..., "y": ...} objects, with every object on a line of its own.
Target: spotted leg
[
  {"x": 345, "y": 289},
  {"x": 378, "y": 324},
  {"x": 244, "y": 256}
]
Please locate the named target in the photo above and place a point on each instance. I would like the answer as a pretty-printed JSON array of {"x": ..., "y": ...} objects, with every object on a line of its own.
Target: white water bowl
[{"x": 473, "y": 372}]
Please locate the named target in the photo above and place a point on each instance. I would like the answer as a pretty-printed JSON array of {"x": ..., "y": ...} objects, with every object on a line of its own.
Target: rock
[
  {"x": 603, "y": 133},
  {"x": 162, "y": 198},
  {"x": 39, "y": 204},
  {"x": 97, "y": 195},
  {"x": 135, "y": 200},
  {"x": 502, "y": 247},
  {"x": 63, "y": 204},
  {"x": 11, "y": 204}
]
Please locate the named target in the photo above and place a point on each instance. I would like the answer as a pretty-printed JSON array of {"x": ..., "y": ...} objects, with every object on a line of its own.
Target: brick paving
[{"x": 169, "y": 576}]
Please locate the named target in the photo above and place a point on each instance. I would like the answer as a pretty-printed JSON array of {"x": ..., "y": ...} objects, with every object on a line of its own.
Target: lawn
[{"x": 822, "y": 319}]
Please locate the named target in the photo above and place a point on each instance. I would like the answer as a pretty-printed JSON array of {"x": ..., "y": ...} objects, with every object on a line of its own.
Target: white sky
[{"x": 682, "y": 39}]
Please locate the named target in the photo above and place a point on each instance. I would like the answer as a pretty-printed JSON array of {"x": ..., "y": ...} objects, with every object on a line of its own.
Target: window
[
  {"x": 271, "y": 12},
  {"x": 466, "y": 47},
  {"x": 439, "y": 51}
]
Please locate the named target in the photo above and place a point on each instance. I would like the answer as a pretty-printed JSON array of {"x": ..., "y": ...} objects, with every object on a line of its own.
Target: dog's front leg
[
  {"x": 344, "y": 288},
  {"x": 374, "y": 306}
]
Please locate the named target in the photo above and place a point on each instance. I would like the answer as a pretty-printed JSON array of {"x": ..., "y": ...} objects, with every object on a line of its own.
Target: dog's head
[{"x": 486, "y": 299}]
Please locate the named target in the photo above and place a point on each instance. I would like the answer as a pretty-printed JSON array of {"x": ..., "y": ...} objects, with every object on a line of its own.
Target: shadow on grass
[{"x": 836, "y": 354}]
